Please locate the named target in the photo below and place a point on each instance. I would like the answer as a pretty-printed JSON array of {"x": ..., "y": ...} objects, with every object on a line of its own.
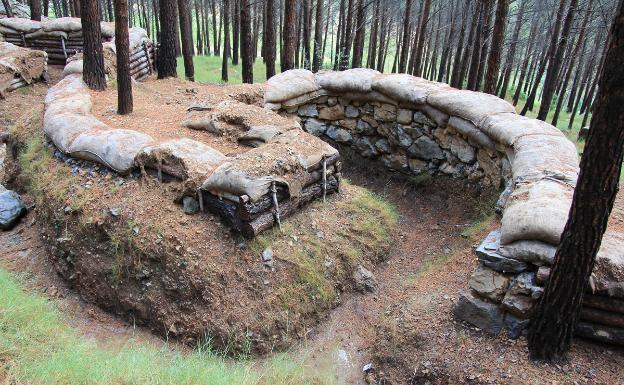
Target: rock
[
  {"x": 395, "y": 161},
  {"x": 383, "y": 146},
  {"x": 425, "y": 148},
  {"x": 404, "y": 116},
  {"x": 332, "y": 113},
  {"x": 417, "y": 166},
  {"x": 332, "y": 101},
  {"x": 464, "y": 151},
  {"x": 414, "y": 131},
  {"x": 364, "y": 128},
  {"x": 115, "y": 211},
  {"x": 421, "y": 118},
  {"x": 365, "y": 147},
  {"x": 352, "y": 112},
  {"x": 267, "y": 257},
  {"x": 518, "y": 304},
  {"x": 349, "y": 124},
  {"x": 484, "y": 315},
  {"x": 523, "y": 283},
  {"x": 502, "y": 199},
  {"x": 404, "y": 139},
  {"x": 308, "y": 110},
  {"x": 191, "y": 206},
  {"x": 370, "y": 120},
  {"x": 489, "y": 283},
  {"x": 490, "y": 258},
  {"x": 364, "y": 280},
  {"x": 11, "y": 208},
  {"x": 339, "y": 134},
  {"x": 386, "y": 113},
  {"x": 515, "y": 326},
  {"x": 315, "y": 127}
]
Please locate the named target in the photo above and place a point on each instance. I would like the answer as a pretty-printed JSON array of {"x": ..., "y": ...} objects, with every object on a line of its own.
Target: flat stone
[
  {"x": 421, "y": 118},
  {"x": 462, "y": 149},
  {"x": 349, "y": 124},
  {"x": 308, "y": 110},
  {"x": 386, "y": 113},
  {"x": 352, "y": 112},
  {"x": 395, "y": 161},
  {"x": 404, "y": 139},
  {"x": 490, "y": 258},
  {"x": 332, "y": 101},
  {"x": 535, "y": 252},
  {"x": 425, "y": 148},
  {"x": 414, "y": 131},
  {"x": 315, "y": 127},
  {"x": 11, "y": 209},
  {"x": 190, "y": 205},
  {"x": 370, "y": 120},
  {"x": 417, "y": 166},
  {"x": 383, "y": 146},
  {"x": 365, "y": 147},
  {"x": 364, "y": 127},
  {"x": 489, "y": 283},
  {"x": 335, "y": 112},
  {"x": 404, "y": 116},
  {"x": 518, "y": 304},
  {"x": 523, "y": 283},
  {"x": 482, "y": 314},
  {"x": 339, "y": 134}
]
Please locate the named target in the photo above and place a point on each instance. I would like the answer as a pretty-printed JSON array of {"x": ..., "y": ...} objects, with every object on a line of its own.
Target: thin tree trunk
[
  {"x": 512, "y": 50},
  {"x": 226, "y": 39},
  {"x": 476, "y": 50},
  {"x": 246, "y": 41},
  {"x": 269, "y": 39},
  {"x": 307, "y": 33},
  {"x": 93, "y": 58},
  {"x": 167, "y": 51},
  {"x": 360, "y": 33},
  {"x": 406, "y": 34},
  {"x": 187, "y": 38},
  {"x": 457, "y": 62},
  {"x": 216, "y": 37},
  {"x": 498, "y": 38},
  {"x": 289, "y": 35},
  {"x": 35, "y": 10},
  {"x": 422, "y": 28},
  {"x": 235, "y": 31},
  {"x": 122, "y": 47},
  {"x": 318, "y": 30},
  {"x": 558, "y": 310}
]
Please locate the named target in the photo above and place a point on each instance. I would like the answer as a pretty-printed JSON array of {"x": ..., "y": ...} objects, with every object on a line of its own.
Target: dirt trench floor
[{"x": 406, "y": 329}]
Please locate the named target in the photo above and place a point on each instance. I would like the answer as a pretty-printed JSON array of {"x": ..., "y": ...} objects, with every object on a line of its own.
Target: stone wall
[{"x": 415, "y": 126}]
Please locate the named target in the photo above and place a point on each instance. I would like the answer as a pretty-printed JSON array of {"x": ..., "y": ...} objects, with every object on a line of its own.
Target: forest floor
[{"x": 406, "y": 329}]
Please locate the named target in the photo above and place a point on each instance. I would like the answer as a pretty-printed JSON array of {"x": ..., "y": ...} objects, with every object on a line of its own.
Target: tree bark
[
  {"x": 360, "y": 34},
  {"x": 235, "y": 30},
  {"x": 167, "y": 51},
  {"x": 558, "y": 310},
  {"x": 406, "y": 34},
  {"x": 35, "y": 10},
  {"x": 289, "y": 35},
  {"x": 317, "y": 60},
  {"x": 269, "y": 39},
  {"x": 7, "y": 7},
  {"x": 93, "y": 58},
  {"x": 186, "y": 32},
  {"x": 554, "y": 68},
  {"x": 422, "y": 28},
  {"x": 498, "y": 38},
  {"x": 122, "y": 46},
  {"x": 226, "y": 40},
  {"x": 512, "y": 50},
  {"x": 246, "y": 41}
]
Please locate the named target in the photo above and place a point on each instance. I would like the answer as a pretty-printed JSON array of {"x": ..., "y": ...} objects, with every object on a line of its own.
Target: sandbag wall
[
  {"x": 20, "y": 67},
  {"x": 60, "y": 38},
  {"x": 414, "y": 126}
]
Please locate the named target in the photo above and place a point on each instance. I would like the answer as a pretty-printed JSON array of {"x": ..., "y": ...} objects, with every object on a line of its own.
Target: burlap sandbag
[
  {"x": 288, "y": 85},
  {"x": 79, "y": 103},
  {"x": 540, "y": 156},
  {"x": 406, "y": 88},
  {"x": 469, "y": 105},
  {"x": 65, "y": 24},
  {"x": 609, "y": 265},
  {"x": 535, "y": 252},
  {"x": 183, "y": 158},
  {"x": 507, "y": 127},
  {"x": 471, "y": 132},
  {"x": 69, "y": 85},
  {"x": 351, "y": 80},
  {"x": 114, "y": 148},
  {"x": 41, "y": 33},
  {"x": 64, "y": 128},
  {"x": 20, "y": 25},
  {"x": 73, "y": 67},
  {"x": 259, "y": 135},
  {"x": 17, "y": 62},
  {"x": 537, "y": 211}
]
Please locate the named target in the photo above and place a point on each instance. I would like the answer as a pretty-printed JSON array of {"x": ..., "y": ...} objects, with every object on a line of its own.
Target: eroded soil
[{"x": 406, "y": 329}]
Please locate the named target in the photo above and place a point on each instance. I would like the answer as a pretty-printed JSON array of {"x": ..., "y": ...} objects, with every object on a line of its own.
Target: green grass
[
  {"x": 208, "y": 70},
  {"x": 37, "y": 346}
]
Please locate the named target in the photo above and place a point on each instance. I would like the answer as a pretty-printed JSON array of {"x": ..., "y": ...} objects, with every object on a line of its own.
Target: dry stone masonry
[{"x": 417, "y": 126}]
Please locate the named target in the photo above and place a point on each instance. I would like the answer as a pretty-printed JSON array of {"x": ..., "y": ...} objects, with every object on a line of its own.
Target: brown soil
[{"x": 406, "y": 328}]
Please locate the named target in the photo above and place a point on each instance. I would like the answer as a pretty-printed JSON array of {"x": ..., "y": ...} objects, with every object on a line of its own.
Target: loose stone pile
[
  {"x": 20, "y": 67},
  {"x": 417, "y": 126}
]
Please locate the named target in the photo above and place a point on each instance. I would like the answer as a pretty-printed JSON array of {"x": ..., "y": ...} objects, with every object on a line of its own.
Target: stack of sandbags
[
  {"x": 17, "y": 9},
  {"x": 59, "y": 38},
  {"x": 253, "y": 191},
  {"x": 20, "y": 67}
]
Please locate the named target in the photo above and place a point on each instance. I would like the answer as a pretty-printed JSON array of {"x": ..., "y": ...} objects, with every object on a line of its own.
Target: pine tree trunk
[
  {"x": 167, "y": 50},
  {"x": 226, "y": 39},
  {"x": 122, "y": 46},
  {"x": 246, "y": 41},
  {"x": 289, "y": 35},
  {"x": 360, "y": 34},
  {"x": 318, "y": 37},
  {"x": 476, "y": 50},
  {"x": 269, "y": 42},
  {"x": 186, "y": 33},
  {"x": 406, "y": 34},
  {"x": 512, "y": 50},
  {"x": 498, "y": 38},
  {"x": 93, "y": 58},
  {"x": 422, "y": 28},
  {"x": 7, "y": 7},
  {"x": 554, "y": 68},
  {"x": 35, "y": 10},
  {"x": 216, "y": 37},
  {"x": 457, "y": 67},
  {"x": 235, "y": 12},
  {"x": 307, "y": 33},
  {"x": 559, "y": 307}
]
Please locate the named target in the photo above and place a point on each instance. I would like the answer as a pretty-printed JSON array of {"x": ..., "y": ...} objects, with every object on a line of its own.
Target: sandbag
[
  {"x": 114, "y": 148},
  {"x": 41, "y": 33},
  {"x": 79, "y": 103},
  {"x": 405, "y": 88},
  {"x": 540, "y": 156},
  {"x": 108, "y": 29},
  {"x": 20, "y": 25},
  {"x": 537, "y": 211},
  {"x": 183, "y": 158},
  {"x": 351, "y": 80},
  {"x": 259, "y": 135},
  {"x": 136, "y": 37},
  {"x": 65, "y": 24},
  {"x": 470, "y": 131},
  {"x": 535, "y": 252},
  {"x": 506, "y": 128},
  {"x": 15, "y": 61},
  {"x": 11, "y": 208},
  {"x": 69, "y": 85},
  {"x": 289, "y": 84},
  {"x": 469, "y": 105},
  {"x": 609, "y": 266},
  {"x": 73, "y": 67},
  {"x": 64, "y": 128}
]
